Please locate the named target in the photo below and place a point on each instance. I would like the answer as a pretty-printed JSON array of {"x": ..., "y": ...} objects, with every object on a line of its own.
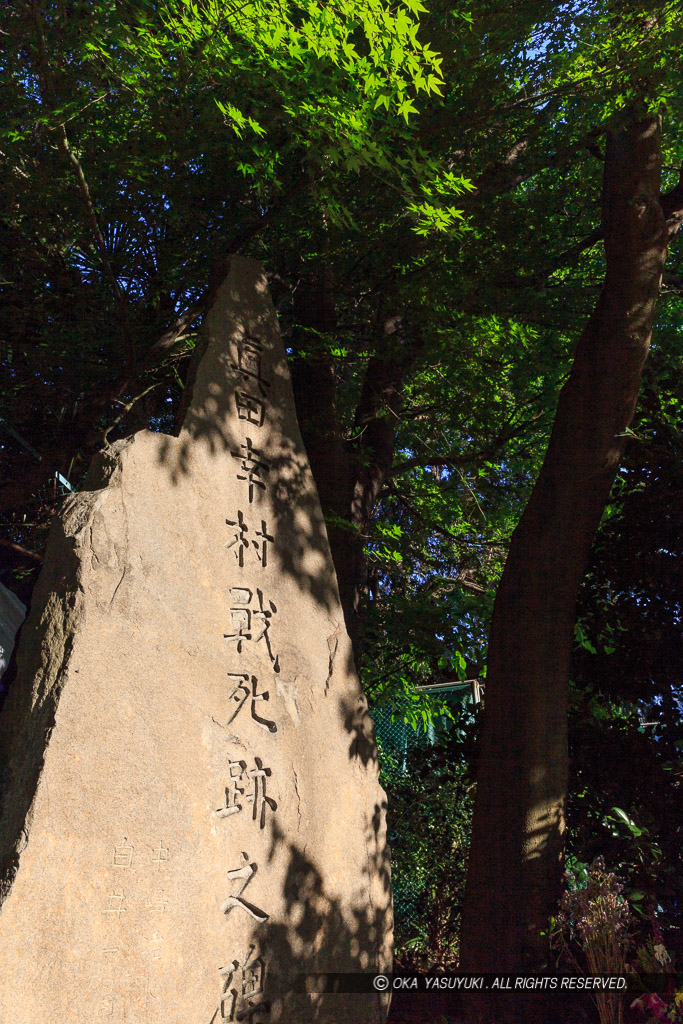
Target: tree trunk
[
  {"x": 516, "y": 852},
  {"x": 349, "y": 474},
  {"x": 315, "y": 395}
]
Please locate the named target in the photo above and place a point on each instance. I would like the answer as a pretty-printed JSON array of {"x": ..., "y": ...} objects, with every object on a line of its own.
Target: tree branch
[
  {"x": 19, "y": 550},
  {"x": 506, "y": 433},
  {"x": 219, "y": 273},
  {"x": 126, "y": 409},
  {"x": 672, "y": 284},
  {"x": 672, "y": 205},
  {"x": 439, "y": 460},
  {"x": 50, "y": 95}
]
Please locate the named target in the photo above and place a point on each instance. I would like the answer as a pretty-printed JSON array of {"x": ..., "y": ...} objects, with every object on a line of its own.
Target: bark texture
[
  {"x": 350, "y": 473},
  {"x": 518, "y": 831}
]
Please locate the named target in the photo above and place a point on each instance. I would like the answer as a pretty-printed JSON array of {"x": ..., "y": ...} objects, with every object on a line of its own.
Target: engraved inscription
[
  {"x": 250, "y": 408},
  {"x": 243, "y": 985},
  {"x": 146, "y": 995},
  {"x": 104, "y": 1006},
  {"x": 118, "y": 996},
  {"x": 116, "y": 903},
  {"x": 235, "y": 794},
  {"x": 156, "y": 946},
  {"x": 245, "y": 690},
  {"x": 241, "y": 545},
  {"x": 243, "y": 874},
  {"x": 160, "y": 856},
  {"x": 251, "y": 623},
  {"x": 249, "y": 363},
  {"x": 158, "y": 902},
  {"x": 251, "y": 467},
  {"x": 123, "y": 855}
]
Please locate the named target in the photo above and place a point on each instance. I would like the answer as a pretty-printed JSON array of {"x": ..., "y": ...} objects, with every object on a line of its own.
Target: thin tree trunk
[
  {"x": 349, "y": 473},
  {"x": 517, "y": 846},
  {"x": 315, "y": 395}
]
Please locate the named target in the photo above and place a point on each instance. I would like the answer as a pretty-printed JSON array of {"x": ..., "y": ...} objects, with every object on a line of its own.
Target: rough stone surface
[{"x": 191, "y": 813}]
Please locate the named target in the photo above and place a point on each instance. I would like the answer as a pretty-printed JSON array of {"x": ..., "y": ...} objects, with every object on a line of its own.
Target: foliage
[
  {"x": 428, "y": 828},
  {"x": 626, "y": 697}
]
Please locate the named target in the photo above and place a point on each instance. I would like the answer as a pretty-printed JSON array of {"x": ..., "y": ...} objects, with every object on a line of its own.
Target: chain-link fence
[{"x": 428, "y": 817}]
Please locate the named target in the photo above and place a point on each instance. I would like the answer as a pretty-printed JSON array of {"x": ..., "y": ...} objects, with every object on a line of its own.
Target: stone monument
[{"x": 191, "y": 814}]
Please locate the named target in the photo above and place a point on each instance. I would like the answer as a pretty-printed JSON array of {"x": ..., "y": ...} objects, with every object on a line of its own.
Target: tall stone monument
[{"x": 191, "y": 815}]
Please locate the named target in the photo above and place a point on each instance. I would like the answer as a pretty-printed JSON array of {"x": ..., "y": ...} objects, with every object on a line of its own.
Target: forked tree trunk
[{"x": 516, "y": 852}]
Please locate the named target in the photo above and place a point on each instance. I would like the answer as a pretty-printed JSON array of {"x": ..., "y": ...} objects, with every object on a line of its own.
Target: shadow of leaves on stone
[
  {"x": 317, "y": 934},
  {"x": 359, "y": 725},
  {"x": 211, "y": 423}
]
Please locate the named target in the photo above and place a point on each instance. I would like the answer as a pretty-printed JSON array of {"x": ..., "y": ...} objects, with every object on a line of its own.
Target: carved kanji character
[
  {"x": 160, "y": 856},
  {"x": 242, "y": 614},
  {"x": 241, "y": 617},
  {"x": 251, "y": 466},
  {"x": 240, "y": 544},
  {"x": 158, "y": 903},
  {"x": 123, "y": 854},
  {"x": 245, "y": 873},
  {"x": 242, "y": 984},
  {"x": 258, "y": 797},
  {"x": 249, "y": 363},
  {"x": 244, "y": 690},
  {"x": 233, "y": 791},
  {"x": 116, "y": 903},
  {"x": 250, "y": 408}
]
